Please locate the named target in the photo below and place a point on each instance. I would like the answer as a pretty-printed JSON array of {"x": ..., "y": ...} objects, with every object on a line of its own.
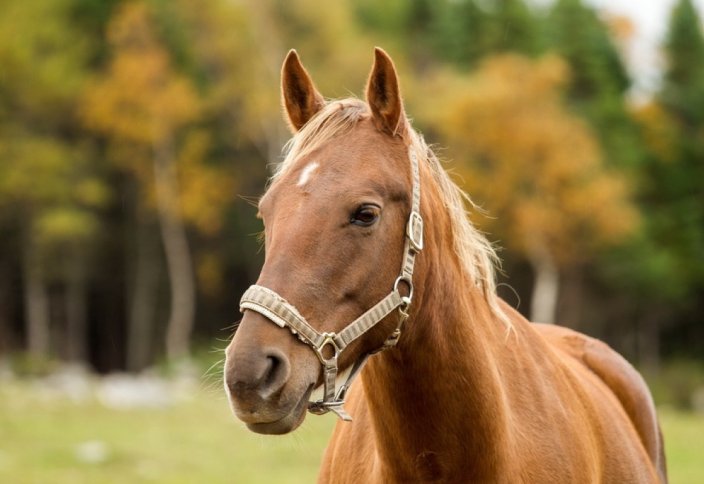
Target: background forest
[
  {"x": 135, "y": 137},
  {"x": 135, "y": 134}
]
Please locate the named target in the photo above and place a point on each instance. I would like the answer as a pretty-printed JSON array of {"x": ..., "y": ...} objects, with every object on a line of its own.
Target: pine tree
[
  {"x": 599, "y": 78},
  {"x": 675, "y": 191},
  {"x": 682, "y": 93}
]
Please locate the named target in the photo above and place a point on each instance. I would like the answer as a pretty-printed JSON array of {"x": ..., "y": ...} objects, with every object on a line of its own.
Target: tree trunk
[
  {"x": 546, "y": 287},
  {"x": 570, "y": 301},
  {"x": 648, "y": 342},
  {"x": 5, "y": 309},
  {"x": 36, "y": 300},
  {"x": 269, "y": 48},
  {"x": 142, "y": 303},
  {"x": 178, "y": 257},
  {"x": 76, "y": 306}
]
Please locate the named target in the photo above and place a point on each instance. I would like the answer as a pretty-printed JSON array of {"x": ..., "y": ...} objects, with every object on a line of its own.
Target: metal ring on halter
[
  {"x": 406, "y": 300},
  {"x": 328, "y": 339}
]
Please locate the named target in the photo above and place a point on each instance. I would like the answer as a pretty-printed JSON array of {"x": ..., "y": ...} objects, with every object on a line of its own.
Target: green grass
[
  {"x": 199, "y": 441},
  {"x": 684, "y": 446}
]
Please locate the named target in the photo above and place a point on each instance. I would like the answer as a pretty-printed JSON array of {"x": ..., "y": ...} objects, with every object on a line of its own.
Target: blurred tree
[
  {"x": 535, "y": 166},
  {"x": 599, "y": 79},
  {"x": 682, "y": 97},
  {"x": 45, "y": 179},
  {"x": 49, "y": 186},
  {"x": 668, "y": 262},
  {"x": 141, "y": 104},
  {"x": 579, "y": 36},
  {"x": 90, "y": 18},
  {"x": 683, "y": 90},
  {"x": 189, "y": 91},
  {"x": 461, "y": 32},
  {"x": 328, "y": 40},
  {"x": 239, "y": 77},
  {"x": 470, "y": 30}
]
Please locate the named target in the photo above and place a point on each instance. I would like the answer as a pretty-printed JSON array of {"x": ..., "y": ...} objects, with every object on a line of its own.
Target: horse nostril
[
  {"x": 257, "y": 376},
  {"x": 276, "y": 373}
]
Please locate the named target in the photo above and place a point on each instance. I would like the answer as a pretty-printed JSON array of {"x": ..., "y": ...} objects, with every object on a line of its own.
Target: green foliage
[
  {"x": 683, "y": 86},
  {"x": 44, "y": 176},
  {"x": 679, "y": 384},
  {"x": 42, "y": 57},
  {"x": 666, "y": 265},
  {"x": 599, "y": 77},
  {"x": 460, "y": 32},
  {"x": 577, "y": 34},
  {"x": 51, "y": 184}
]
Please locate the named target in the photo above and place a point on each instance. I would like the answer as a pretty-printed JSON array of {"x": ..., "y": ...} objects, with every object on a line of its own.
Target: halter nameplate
[{"x": 282, "y": 313}]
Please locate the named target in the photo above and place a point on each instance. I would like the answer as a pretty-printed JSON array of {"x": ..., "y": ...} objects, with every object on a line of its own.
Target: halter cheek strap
[{"x": 328, "y": 346}]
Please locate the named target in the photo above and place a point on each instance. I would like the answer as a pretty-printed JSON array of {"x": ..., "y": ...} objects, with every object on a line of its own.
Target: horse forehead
[
  {"x": 362, "y": 161},
  {"x": 362, "y": 154}
]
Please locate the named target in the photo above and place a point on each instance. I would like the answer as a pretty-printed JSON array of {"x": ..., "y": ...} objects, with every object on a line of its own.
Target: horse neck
[{"x": 435, "y": 399}]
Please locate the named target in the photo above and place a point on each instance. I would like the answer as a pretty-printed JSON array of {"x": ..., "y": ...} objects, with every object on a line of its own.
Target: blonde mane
[{"x": 475, "y": 252}]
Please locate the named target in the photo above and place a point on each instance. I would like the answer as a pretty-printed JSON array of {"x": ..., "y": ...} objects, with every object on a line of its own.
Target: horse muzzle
[{"x": 259, "y": 384}]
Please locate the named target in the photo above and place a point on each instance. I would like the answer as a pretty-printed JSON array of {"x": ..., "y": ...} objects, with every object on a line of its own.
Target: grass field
[{"x": 57, "y": 441}]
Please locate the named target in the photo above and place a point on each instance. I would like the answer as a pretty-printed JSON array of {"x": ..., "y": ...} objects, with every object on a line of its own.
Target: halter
[{"x": 280, "y": 312}]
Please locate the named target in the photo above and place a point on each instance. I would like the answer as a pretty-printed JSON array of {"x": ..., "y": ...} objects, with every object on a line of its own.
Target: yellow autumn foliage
[
  {"x": 659, "y": 130},
  {"x": 140, "y": 99},
  {"x": 139, "y": 102},
  {"x": 205, "y": 190},
  {"x": 535, "y": 166}
]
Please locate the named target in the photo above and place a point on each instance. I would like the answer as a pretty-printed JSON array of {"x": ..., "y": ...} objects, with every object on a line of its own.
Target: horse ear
[
  {"x": 298, "y": 93},
  {"x": 384, "y": 96}
]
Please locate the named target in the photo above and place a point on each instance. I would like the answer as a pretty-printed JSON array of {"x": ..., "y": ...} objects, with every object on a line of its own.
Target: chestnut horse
[{"x": 468, "y": 391}]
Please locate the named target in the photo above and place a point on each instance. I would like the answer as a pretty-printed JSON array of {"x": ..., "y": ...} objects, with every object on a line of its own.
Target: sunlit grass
[{"x": 198, "y": 440}]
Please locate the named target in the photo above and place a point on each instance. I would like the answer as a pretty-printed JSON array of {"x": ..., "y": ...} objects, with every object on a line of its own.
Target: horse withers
[{"x": 370, "y": 258}]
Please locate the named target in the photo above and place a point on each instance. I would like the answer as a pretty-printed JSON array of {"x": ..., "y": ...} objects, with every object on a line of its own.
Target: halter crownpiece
[{"x": 282, "y": 313}]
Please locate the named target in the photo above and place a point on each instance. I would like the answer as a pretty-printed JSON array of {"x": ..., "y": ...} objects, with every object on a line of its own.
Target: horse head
[{"x": 336, "y": 225}]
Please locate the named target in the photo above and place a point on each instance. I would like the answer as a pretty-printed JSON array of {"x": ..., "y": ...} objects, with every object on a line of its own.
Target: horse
[{"x": 456, "y": 386}]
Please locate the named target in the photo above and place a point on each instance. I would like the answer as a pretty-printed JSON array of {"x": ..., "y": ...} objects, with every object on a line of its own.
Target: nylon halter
[{"x": 280, "y": 312}]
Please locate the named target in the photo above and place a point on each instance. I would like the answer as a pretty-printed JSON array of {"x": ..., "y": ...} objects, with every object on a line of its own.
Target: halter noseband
[{"x": 279, "y": 311}]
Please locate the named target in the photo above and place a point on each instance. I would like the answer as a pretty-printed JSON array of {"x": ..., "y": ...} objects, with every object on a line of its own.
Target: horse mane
[{"x": 476, "y": 254}]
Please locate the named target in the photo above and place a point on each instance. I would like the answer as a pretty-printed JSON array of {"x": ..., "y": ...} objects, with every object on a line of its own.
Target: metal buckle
[
  {"x": 414, "y": 231},
  {"x": 335, "y": 406},
  {"x": 328, "y": 339}
]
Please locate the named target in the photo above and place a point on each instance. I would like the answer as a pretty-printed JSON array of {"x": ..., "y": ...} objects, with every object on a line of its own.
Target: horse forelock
[{"x": 474, "y": 251}]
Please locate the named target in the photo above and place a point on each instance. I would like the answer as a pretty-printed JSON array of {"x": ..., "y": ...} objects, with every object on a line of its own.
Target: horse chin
[{"x": 288, "y": 423}]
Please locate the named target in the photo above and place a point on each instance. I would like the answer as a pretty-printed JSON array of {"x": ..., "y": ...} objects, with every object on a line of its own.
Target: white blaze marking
[{"x": 306, "y": 173}]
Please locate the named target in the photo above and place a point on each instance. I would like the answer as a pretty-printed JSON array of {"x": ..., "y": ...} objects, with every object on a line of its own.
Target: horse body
[
  {"x": 472, "y": 392},
  {"x": 549, "y": 419},
  {"x": 466, "y": 400}
]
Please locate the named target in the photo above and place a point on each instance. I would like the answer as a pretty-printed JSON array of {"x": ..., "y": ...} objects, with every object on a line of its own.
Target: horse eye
[{"x": 365, "y": 215}]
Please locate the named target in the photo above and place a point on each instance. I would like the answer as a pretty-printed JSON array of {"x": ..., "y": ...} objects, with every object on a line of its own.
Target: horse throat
[{"x": 437, "y": 398}]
